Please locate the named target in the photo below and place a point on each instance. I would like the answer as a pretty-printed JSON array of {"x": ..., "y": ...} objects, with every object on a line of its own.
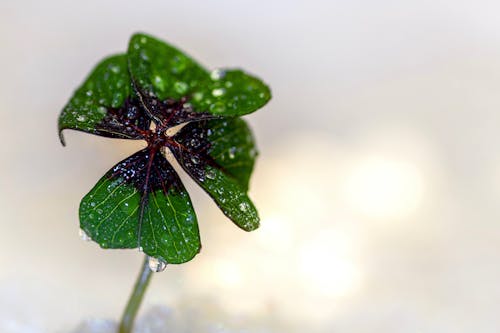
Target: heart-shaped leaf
[
  {"x": 160, "y": 70},
  {"x": 106, "y": 104},
  {"x": 141, "y": 202},
  {"x": 219, "y": 155}
]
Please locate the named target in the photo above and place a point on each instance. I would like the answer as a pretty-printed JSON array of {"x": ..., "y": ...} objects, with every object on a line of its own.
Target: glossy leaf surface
[
  {"x": 139, "y": 203},
  {"x": 106, "y": 104},
  {"x": 219, "y": 155},
  {"x": 163, "y": 71}
]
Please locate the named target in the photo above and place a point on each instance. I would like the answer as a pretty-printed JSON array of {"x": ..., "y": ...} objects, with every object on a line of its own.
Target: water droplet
[
  {"x": 198, "y": 96},
  {"x": 195, "y": 159},
  {"x": 92, "y": 204},
  {"x": 194, "y": 142},
  {"x": 132, "y": 113},
  {"x": 140, "y": 249},
  {"x": 83, "y": 235},
  {"x": 102, "y": 110},
  {"x": 217, "y": 107},
  {"x": 156, "y": 265},
  {"x": 243, "y": 206},
  {"x": 159, "y": 82},
  {"x": 89, "y": 93},
  {"x": 217, "y": 74},
  {"x": 181, "y": 87},
  {"x": 232, "y": 152},
  {"x": 210, "y": 174},
  {"x": 144, "y": 55},
  {"x": 115, "y": 69},
  {"x": 81, "y": 118},
  {"x": 218, "y": 92}
]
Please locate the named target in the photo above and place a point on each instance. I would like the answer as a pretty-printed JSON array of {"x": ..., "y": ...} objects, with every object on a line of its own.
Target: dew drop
[
  {"x": 232, "y": 152},
  {"x": 181, "y": 87},
  {"x": 84, "y": 236},
  {"x": 218, "y": 92},
  {"x": 195, "y": 159},
  {"x": 217, "y": 74},
  {"x": 159, "y": 82},
  {"x": 217, "y": 107},
  {"x": 156, "y": 265},
  {"x": 194, "y": 142},
  {"x": 81, "y": 118},
  {"x": 243, "y": 206},
  {"x": 140, "y": 249},
  {"x": 89, "y": 93},
  {"x": 115, "y": 69},
  {"x": 210, "y": 174}
]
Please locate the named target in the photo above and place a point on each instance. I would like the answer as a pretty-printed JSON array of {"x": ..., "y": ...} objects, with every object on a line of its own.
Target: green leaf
[
  {"x": 105, "y": 104},
  {"x": 229, "y": 143},
  {"x": 231, "y": 93},
  {"x": 163, "y": 71},
  {"x": 142, "y": 204},
  {"x": 219, "y": 155}
]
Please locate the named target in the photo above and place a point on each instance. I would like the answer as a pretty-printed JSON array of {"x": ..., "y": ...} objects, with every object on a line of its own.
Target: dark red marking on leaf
[
  {"x": 171, "y": 112},
  {"x": 148, "y": 171},
  {"x": 128, "y": 121},
  {"x": 192, "y": 150}
]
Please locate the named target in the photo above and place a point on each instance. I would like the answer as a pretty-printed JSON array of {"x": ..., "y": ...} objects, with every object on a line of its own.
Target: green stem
[{"x": 134, "y": 302}]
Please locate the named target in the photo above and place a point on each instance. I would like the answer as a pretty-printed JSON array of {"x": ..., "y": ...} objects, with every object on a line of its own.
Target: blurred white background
[{"x": 378, "y": 179}]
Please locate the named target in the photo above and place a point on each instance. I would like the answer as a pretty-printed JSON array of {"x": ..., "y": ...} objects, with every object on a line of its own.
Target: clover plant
[{"x": 156, "y": 93}]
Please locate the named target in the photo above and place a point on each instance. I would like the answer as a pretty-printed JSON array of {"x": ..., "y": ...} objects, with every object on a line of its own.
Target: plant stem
[{"x": 134, "y": 302}]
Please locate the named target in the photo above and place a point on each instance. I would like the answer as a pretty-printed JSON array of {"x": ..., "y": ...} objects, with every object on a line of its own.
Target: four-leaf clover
[{"x": 141, "y": 202}]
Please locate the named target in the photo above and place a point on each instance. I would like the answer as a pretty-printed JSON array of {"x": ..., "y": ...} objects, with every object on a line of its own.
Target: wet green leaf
[
  {"x": 137, "y": 204},
  {"x": 219, "y": 155},
  {"x": 105, "y": 104},
  {"x": 163, "y": 71}
]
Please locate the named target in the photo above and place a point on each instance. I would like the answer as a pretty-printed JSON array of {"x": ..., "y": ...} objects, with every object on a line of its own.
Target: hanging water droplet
[
  {"x": 81, "y": 118},
  {"x": 140, "y": 249},
  {"x": 84, "y": 236},
  {"x": 218, "y": 92},
  {"x": 156, "y": 265},
  {"x": 210, "y": 174}
]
